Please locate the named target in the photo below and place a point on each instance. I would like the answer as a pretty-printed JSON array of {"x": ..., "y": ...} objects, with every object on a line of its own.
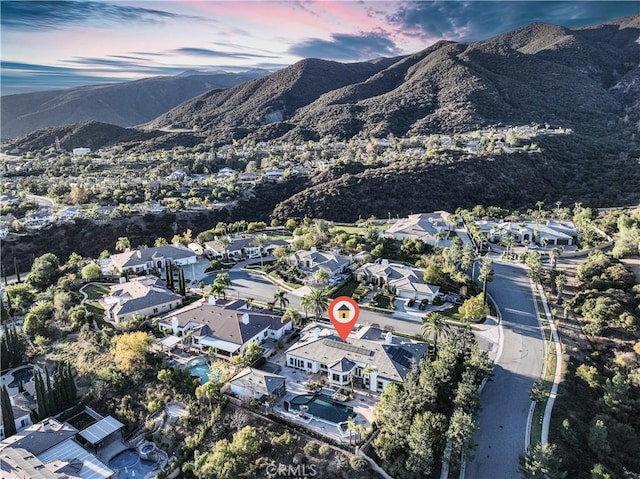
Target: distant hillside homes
[{"x": 432, "y": 228}]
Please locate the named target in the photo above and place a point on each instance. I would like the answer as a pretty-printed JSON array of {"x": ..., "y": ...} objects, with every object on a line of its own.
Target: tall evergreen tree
[
  {"x": 42, "y": 397},
  {"x": 17, "y": 269},
  {"x": 72, "y": 390},
  {"x": 8, "y": 419},
  {"x": 182, "y": 289},
  {"x": 57, "y": 398},
  {"x": 4, "y": 350}
]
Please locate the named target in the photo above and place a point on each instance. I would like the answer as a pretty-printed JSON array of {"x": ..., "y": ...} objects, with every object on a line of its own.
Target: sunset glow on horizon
[{"x": 48, "y": 45}]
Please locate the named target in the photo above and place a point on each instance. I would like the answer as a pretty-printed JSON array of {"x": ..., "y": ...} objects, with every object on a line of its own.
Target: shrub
[
  {"x": 324, "y": 450},
  {"x": 311, "y": 448},
  {"x": 357, "y": 463}
]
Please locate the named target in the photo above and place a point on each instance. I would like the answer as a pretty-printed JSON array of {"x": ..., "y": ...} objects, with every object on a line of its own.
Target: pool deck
[
  {"x": 362, "y": 404},
  {"x": 8, "y": 377}
]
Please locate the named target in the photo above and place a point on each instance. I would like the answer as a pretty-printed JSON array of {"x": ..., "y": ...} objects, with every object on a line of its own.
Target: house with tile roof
[
  {"x": 255, "y": 383},
  {"x": 227, "y": 327},
  {"x": 310, "y": 261},
  {"x": 549, "y": 233},
  {"x": 432, "y": 228},
  {"x": 370, "y": 355},
  {"x": 147, "y": 260},
  {"x": 402, "y": 280},
  {"x": 145, "y": 296},
  {"x": 240, "y": 247}
]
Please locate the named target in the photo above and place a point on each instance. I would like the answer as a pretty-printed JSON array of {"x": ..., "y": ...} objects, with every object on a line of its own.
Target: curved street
[{"x": 505, "y": 400}]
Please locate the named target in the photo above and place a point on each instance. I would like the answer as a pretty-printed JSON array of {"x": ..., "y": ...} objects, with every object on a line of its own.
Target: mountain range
[
  {"x": 585, "y": 79},
  {"x": 122, "y": 104}
]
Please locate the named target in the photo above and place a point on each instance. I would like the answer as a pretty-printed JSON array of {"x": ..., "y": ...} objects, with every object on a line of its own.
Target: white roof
[
  {"x": 220, "y": 344},
  {"x": 101, "y": 429},
  {"x": 70, "y": 454},
  {"x": 170, "y": 341}
]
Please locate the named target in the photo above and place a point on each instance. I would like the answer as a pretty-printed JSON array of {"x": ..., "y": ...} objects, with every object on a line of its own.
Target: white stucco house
[
  {"x": 402, "y": 280},
  {"x": 227, "y": 327},
  {"x": 146, "y": 296},
  {"x": 146, "y": 260},
  {"x": 370, "y": 355},
  {"x": 310, "y": 261},
  {"x": 432, "y": 228},
  {"x": 253, "y": 383}
]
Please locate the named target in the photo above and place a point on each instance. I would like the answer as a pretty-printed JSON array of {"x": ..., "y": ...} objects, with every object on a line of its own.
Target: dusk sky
[{"x": 49, "y": 44}]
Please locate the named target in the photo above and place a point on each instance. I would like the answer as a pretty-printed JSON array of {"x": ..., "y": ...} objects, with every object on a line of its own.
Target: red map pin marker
[{"x": 344, "y": 312}]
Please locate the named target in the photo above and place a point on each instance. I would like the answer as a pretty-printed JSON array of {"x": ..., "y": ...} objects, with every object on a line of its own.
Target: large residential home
[
  {"x": 48, "y": 450},
  {"x": 21, "y": 412},
  {"x": 146, "y": 260},
  {"x": 240, "y": 247},
  {"x": 39, "y": 218},
  {"x": 144, "y": 296},
  {"x": 310, "y": 261},
  {"x": 550, "y": 233},
  {"x": 369, "y": 357},
  {"x": 257, "y": 384},
  {"x": 432, "y": 228},
  {"x": 404, "y": 281},
  {"x": 227, "y": 327}
]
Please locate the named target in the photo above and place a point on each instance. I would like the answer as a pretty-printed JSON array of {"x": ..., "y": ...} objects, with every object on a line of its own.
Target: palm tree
[
  {"x": 306, "y": 304},
  {"x": 225, "y": 241},
  {"x": 561, "y": 281},
  {"x": 123, "y": 243},
  {"x": 260, "y": 241},
  {"x": 434, "y": 324},
  {"x": 486, "y": 275},
  {"x": 317, "y": 301},
  {"x": 249, "y": 302},
  {"x": 554, "y": 254},
  {"x": 508, "y": 243},
  {"x": 321, "y": 277},
  {"x": 294, "y": 315},
  {"x": 539, "y": 204},
  {"x": 280, "y": 297}
]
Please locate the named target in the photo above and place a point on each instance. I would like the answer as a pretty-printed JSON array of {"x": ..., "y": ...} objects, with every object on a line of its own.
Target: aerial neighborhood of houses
[{"x": 288, "y": 363}]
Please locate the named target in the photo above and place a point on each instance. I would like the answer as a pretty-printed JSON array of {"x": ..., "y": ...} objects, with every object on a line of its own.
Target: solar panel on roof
[{"x": 348, "y": 347}]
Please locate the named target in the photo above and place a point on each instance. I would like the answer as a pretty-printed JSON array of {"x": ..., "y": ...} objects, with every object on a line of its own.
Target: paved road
[
  {"x": 41, "y": 201},
  {"x": 505, "y": 400},
  {"x": 245, "y": 284}
]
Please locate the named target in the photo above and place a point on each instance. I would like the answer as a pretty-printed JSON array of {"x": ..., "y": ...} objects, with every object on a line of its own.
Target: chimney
[
  {"x": 211, "y": 300},
  {"x": 245, "y": 318},
  {"x": 313, "y": 249},
  {"x": 174, "y": 324},
  {"x": 388, "y": 338}
]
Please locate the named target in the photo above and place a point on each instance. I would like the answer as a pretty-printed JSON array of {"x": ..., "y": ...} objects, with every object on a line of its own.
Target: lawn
[
  {"x": 348, "y": 228},
  {"x": 346, "y": 289},
  {"x": 96, "y": 291}
]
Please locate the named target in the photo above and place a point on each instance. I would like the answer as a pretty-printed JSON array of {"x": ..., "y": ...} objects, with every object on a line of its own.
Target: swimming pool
[
  {"x": 199, "y": 367},
  {"x": 324, "y": 407},
  {"x": 129, "y": 465},
  {"x": 21, "y": 376}
]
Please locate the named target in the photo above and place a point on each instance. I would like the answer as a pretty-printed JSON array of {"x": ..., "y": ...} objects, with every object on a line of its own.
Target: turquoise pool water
[
  {"x": 323, "y": 407},
  {"x": 130, "y": 465},
  {"x": 200, "y": 368}
]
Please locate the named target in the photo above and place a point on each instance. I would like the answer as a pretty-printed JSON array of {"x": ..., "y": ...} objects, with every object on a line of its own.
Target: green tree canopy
[{"x": 44, "y": 271}]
